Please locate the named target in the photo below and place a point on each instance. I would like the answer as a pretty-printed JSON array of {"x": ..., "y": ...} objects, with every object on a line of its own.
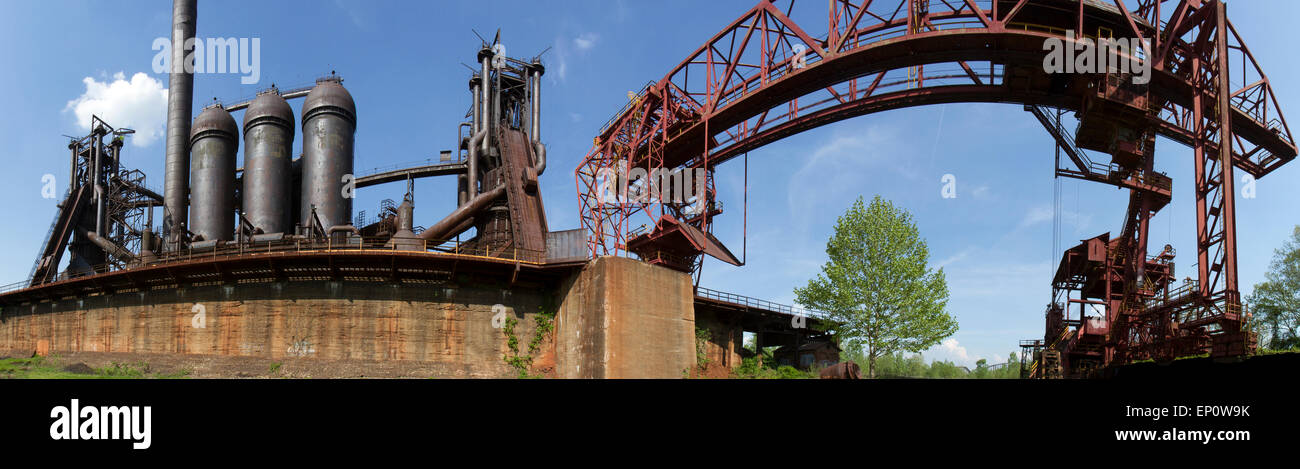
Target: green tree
[
  {"x": 877, "y": 287},
  {"x": 1275, "y": 304}
]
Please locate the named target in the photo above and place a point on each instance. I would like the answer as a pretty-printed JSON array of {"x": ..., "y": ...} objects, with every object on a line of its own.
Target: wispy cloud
[
  {"x": 139, "y": 103},
  {"x": 585, "y": 41},
  {"x": 835, "y": 167},
  {"x": 1036, "y": 215},
  {"x": 1043, "y": 213},
  {"x": 569, "y": 49},
  {"x": 953, "y": 259},
  {"x": 356, "y": 13}
]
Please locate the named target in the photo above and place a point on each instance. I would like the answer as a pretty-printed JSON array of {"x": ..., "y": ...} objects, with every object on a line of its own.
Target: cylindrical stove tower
[
  {"x": 213, "y": 145},
  {"x": 268, "y": 163},
  {"x": 329, "y": 118}
]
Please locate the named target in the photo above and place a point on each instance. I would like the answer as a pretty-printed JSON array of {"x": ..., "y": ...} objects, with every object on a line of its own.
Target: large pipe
[
  {"x": 472, "y": 166},
  {"x": 97, "y": 150},
  {"x": 473, "y": 109},
  {"x": 460, "y": 215},
  {"x": 112, "y": 248},
  {"x": 341, "y": 228},
  {"x": 484, "y": 115},
  {"x": 180, "y": 106},
  {"x": 539, "y": 149},
  {"x": 535, "y": 105}
]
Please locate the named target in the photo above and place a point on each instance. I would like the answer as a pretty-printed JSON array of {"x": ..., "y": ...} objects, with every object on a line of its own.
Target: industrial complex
[{"x": 263, "y": 258}]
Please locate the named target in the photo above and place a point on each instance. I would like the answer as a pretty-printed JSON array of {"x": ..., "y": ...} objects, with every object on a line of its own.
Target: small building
[{"x": 820, "y": 352}]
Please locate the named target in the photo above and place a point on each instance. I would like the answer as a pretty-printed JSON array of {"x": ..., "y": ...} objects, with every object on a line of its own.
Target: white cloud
[
  {"x": 585, "y": 41},
  {"x": 1036, "y": 215},
  {"x": 139, "y": 104},
  {"x": 570, "y": 49},
  {"x": 1043, "y": 213},
  {"x": 361, "y": 17},
  {"x": 949, "y": 350},
  {"x": 954, "y": 258},
  {"x": 834, "y": 168}
]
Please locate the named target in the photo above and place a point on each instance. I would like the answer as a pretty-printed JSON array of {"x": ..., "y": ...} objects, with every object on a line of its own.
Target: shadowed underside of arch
[{"x": 773, "y": 73}]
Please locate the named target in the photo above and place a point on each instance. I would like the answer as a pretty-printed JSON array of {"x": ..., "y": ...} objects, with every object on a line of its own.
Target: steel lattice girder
[{"x": 764, "y": 77}]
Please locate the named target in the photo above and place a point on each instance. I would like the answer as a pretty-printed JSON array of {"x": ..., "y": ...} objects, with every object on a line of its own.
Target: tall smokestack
[{"x": 180, "y": 107}]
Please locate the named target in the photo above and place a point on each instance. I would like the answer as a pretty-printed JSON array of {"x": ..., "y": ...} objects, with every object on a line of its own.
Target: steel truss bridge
[{"x": 773, "y": 72}]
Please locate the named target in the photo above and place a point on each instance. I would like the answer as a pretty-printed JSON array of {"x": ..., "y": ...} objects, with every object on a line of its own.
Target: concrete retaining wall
[
  {"x": 449, "y": 325},
  {"x": 617, "y": 318},
  {"x": 622, "y": 318}
]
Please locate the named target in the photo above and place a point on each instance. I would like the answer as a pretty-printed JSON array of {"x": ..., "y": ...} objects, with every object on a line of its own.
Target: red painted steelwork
[{"x": 765, "y": 76}]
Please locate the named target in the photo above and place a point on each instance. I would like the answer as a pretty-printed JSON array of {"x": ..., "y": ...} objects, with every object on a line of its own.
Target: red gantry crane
[{"x": 768, "y": 75}]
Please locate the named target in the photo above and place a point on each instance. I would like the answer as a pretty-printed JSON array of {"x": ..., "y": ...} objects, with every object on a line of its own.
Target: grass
[
  {"x": 52, "y": 368},
  {"x": 1267, "y": 351}
]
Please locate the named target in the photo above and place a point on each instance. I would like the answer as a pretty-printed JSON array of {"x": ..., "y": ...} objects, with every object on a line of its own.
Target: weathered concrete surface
[
  {"x": 725, "y": 336},
  {"x": 622, "y": 318},
  {"x": 449, "y": 326}
]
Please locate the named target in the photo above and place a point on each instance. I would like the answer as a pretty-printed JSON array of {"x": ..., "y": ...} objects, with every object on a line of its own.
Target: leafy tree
[
  {"x": 877, "y": 287},
  {"x": 1275, "y": 304}
]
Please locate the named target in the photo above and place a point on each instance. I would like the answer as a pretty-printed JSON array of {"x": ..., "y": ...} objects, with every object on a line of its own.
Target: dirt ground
[{"x": 711, "y": 371}]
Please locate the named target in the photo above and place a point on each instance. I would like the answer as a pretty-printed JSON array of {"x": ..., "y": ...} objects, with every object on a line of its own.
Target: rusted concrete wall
[
  {"x": 622, "y": 318},
  {"x": 447, "y": 325}
]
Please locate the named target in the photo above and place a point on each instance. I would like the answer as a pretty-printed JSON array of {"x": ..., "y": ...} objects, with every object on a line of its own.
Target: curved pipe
[
  {"x": 473, "y": 162},
  {"x": 462, "y": 214},
  {"x": 112, "y": 248},
  {"x": 539, "y": 149},
  {"x": 347, "y": 228}
]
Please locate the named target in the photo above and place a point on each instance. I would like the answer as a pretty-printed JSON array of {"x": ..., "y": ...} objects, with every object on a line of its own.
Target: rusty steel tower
[{"x": 768, "y": 75}]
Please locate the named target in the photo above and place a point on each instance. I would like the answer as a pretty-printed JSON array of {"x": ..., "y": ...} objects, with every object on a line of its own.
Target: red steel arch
[{"x": 765, "y": 77}]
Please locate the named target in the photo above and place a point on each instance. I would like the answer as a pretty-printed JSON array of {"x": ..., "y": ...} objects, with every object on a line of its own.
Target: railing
[
  {"x": 630, "y": 102},
  {"x": 408, "y": 165},
  {"x": 1187, "y": 288},
  {"x": 756, "y": 303},
  {"x": 352, "y": 244}
]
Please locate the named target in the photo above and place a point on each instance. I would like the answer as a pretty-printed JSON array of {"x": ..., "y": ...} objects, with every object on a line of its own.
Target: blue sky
[{"x": 402, "y": 61}]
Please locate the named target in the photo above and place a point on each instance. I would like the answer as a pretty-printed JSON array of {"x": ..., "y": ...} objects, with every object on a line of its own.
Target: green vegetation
[
  {"x": 275, "y": 367},
  {"x": 749, "y": 368},
  {"x": 877, "y": 287},
  {"x": 545, "y": 323},
  {"x": 1270, "y": 351},
  {"x": 898, "y": 365},
  {"x": 52, "y": 368},
  {"x": 1275, "y": 304},
  {"x": 702, "y": 338}
]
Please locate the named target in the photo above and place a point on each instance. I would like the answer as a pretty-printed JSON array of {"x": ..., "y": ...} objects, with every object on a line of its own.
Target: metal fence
[
  {"x": 757, "y": 303},
  {"x": 352, "y": 244}
]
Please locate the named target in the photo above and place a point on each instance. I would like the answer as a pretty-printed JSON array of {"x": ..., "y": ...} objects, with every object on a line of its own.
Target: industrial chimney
[{"x": 180, "y": 106}]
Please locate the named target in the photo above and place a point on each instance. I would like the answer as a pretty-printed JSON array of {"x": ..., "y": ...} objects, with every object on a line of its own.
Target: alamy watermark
[
  {"x": 681, "y": 187},
  {"x": 212, "y": 55},
  {"x": 1077, "y": 54}
]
